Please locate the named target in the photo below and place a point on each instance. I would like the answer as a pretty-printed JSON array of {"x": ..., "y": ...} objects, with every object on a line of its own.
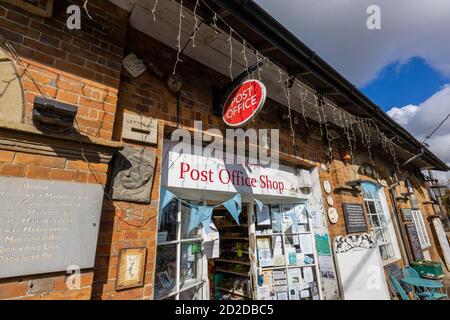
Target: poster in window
[{"x": 130, "y": 268}]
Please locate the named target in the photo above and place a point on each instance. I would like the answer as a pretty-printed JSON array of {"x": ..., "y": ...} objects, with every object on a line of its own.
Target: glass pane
[
  {"x": 191, "y": 263},
  {"x": 379, "y": 235},
  {"x": 371, "y": 207},
  {"x": 165, "y": 275},
  {"x": 387, "y": 237},
  {"x": 384, "y": 253},
  {"x": 277, "y": 218},
  {"x": 185, "y": 216},
  {"x": 299, "y": 249},
  {"x": 194, "y": 293},
  {"x": 378, "y": 206},
  {"x": 390, "y": 250},
  {"x": 167, "y": 230},
  {"x": 270, "y": 251},
  {"x": 375, "y": 221}
]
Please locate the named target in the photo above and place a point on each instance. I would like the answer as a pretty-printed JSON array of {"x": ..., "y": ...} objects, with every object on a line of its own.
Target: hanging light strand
[
  {"x": 154, "y": 10},
  {"x": 363, "y": 126},
  {"x": 196, "y": 24},
  {"x": 179, "y": 38}
]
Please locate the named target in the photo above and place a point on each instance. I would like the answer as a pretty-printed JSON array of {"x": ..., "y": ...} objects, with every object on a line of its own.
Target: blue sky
[
  {"x": 404, "y": 67},
  {"x": 400, "y": 84}
]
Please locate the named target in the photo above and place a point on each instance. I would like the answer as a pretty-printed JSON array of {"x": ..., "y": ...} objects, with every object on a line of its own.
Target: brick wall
[
  {"x": 80, "y": 67},
  {"x": 77, "y": 67},
  {"x": 19, "y": 164}
]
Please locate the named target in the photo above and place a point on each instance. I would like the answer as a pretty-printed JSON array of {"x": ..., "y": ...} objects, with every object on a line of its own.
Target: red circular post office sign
[{"x": 244, "y": 103}]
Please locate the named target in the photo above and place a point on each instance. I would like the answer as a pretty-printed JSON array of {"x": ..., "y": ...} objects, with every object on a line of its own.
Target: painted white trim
[{"x": 391, "y": 229}]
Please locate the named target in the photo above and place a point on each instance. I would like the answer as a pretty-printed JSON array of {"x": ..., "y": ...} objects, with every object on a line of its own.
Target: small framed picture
[{"x": 130, "y": 268}]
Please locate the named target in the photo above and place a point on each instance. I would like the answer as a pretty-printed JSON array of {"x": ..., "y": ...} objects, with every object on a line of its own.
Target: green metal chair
[
  {"x": 420, "y": 293},
  {"x": 398, "y": 288}
]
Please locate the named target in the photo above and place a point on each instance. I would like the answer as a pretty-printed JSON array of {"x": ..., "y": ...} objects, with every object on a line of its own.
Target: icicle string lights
[
  {"x": 363, "y": 125},
  {"x": 244, "y": 53},
  {"x": 179, "y": 38},
  {"x": 154, "y": 10},
  {"x": 196, "y": 26},
  {"x": 230, "y": 66}
]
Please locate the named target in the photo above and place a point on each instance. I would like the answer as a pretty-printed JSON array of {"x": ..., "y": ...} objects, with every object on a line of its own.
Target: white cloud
[
  {"x": 337, "y": 31},
  {"x": 421, "y": 120}
]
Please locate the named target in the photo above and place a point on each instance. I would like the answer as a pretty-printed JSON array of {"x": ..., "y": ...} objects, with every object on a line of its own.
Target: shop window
[
  {"x": 380, "y": 221},
  {"x": 287, "y": 261},
  {"x": 421, "y": 229},
  {"x": 179, "y": 258}
]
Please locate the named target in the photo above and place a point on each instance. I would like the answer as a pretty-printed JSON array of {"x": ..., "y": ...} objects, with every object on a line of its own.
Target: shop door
[{"x": 181, "y": 266}]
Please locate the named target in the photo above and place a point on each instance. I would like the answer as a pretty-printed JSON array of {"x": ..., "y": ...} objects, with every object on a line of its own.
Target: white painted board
[{"x": 361, "y": 275}]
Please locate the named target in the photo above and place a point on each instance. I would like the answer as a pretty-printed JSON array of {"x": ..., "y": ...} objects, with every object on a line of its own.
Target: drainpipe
[{"x": 399, "y": 223}]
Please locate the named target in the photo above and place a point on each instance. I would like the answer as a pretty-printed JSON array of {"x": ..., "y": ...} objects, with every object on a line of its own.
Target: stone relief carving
[
  {"x": 133, "y": 173},
  {"x": 346, "y": 243}
]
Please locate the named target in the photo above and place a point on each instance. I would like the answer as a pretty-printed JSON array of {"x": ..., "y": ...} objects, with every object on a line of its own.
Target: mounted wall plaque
[
  {"x": 355, "y": 219},
  {"x": 140, "y": 128},
  {"x": 414, "y": 241},
  {"x": 333, "y": 215},
  {"x": 133, "y": 173},
  {"x": 42, "y": 8},
  {"x": 327, "y": 186},
  {"x": 131, "y": 267},
  {"x": 47, "y": 226}
]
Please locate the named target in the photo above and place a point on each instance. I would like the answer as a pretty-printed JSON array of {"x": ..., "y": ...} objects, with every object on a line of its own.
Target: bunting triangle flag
[
  {"x": 259, "y": 204},
  {"x": 234, "y": 207},
  {"x": 200, "y": 215},
  {"x": 166, "y": 197}
]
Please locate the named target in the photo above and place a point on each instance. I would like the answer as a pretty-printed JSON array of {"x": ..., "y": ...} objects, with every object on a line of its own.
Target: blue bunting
[
  {"x": 166, "y": 197},
  {"x": 234, "y": 207},
  {"x": 200, "y": 215}
]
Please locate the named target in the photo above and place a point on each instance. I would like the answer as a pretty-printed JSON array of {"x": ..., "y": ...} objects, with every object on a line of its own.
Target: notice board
[
  {"x": 414, "y": 242},
  {"x": 355, "y": 219}
]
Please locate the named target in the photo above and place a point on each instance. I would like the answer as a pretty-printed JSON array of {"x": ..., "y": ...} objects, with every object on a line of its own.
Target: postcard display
[{"x": 286, "y": 260}]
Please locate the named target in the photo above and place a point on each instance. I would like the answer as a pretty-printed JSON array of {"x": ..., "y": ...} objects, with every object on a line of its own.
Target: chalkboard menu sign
[
  {"x": 355, "y": 219},
  {"x": 414, "y": 241},
  {"x": 407, "y": 214}
]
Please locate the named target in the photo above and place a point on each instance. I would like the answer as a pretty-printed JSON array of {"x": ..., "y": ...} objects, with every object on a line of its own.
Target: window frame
[
  {"x": 203, "y": 284},
  {"x": 422, "y": 232},
  {"x": 389, "y": 228}
]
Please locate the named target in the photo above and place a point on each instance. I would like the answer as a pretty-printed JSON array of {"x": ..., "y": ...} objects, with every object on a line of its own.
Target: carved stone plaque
[
  {"x": 47, "y": 226},
  {"x": 140, "y": 128},
  {"x": 133, "y": 173}
]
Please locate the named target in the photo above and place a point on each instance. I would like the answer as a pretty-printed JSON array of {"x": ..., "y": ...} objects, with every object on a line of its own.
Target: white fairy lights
[
  {"x": 154, "y": 10},
  {"x": 196, "y": 26},
  {"x": 179, "y": 38},
  {"x": 346, "y": 120}
]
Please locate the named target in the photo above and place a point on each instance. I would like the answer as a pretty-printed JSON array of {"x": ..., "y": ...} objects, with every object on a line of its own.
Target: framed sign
[
  {"x": 406, "y": 214},
  {"x": 414, "y": 241},
  {"x": 355, "y": 219},
  {"x": 42, "y": 8},
  {"x": 244, "y": 103},
  {"x": 130, "y": 268}
]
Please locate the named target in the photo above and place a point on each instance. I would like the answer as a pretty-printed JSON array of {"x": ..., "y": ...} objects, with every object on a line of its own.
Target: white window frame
[
  {"x": 390, "y": 226},
  {"x": 422, "y": 233},
  {"x": 203, "y": 283}
]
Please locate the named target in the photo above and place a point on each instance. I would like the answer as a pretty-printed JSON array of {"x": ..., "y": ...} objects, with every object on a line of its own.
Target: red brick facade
[{"x": 84, "y": 68}]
